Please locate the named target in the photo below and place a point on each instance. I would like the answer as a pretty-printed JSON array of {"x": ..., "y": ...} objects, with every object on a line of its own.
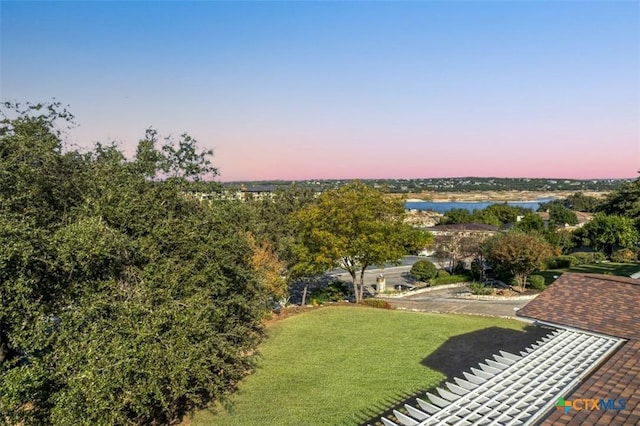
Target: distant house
[
  {"x": 258, "y": 192},
  {"x": 583, "y": 218},
  {"x": 463, "y": 228},
  {"x": 605, "y": 305}
]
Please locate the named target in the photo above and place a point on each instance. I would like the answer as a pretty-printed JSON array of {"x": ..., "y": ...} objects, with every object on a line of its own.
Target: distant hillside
[{"x": 463, "y": 184}]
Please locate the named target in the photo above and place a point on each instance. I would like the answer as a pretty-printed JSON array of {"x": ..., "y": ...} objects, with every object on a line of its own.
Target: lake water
[{"x": 444, "y": 206}]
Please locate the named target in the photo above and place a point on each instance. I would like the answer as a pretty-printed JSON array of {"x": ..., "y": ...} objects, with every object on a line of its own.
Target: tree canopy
[
  {"x": 608, "y": 232},
  {"x": 495, "y": 214},
  {"x": 123, "y": 299},
  {"x": 518, "y": 253},
  {"x": 625, "y": 201},
  {"x": 352, "y": 227}
]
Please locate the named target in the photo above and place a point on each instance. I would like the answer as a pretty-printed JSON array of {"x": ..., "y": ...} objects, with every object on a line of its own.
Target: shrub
[
  {"x": 623, "y": 256},
  {"x": 560, "y": 262},
  {"x": 480, "y": 289},
  {"x": 423, "y": 270},
  {"x": 536, "y": 282},
  {"x": 335, "y": 291},
  {"x": 583, "y": 258},
  {"x": 443, "y": 273},
  {"x": 376, "y": 303}
]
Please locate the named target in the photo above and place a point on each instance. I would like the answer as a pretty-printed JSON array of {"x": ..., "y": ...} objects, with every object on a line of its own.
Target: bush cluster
[
  {"x": 480, "y": 289},
  {"x": 536, "y": 282},
  {"x": 584, "y": 258},
  {"x": 560, "y": 262},
  {"x": 624, "y": 256},
  {"x": 423, "y": 270},
  {"x": 376, "y": 303},
  {"x": 335, "y": 291}
]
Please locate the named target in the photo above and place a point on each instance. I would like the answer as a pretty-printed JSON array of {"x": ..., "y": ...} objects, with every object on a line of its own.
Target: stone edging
[
  {"x": 421, "y": 290},
  {"x": 459, "y": 296},
  {"x": 488, "y": 297}
]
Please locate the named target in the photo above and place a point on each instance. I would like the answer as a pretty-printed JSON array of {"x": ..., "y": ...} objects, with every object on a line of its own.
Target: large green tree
[
  {"x": 456, "y": 216},
  {"x": 455, "y": 247},
  {"x": 624, "y": 202},
  {"x": 122, "y": 299},
  {"x": 352, "y": 227},
  {"x": 580, "y": 202},
  {"x": 518, "y": 253},
  {"x": 607, "y": 232},
  {"x": 560, "y": 216},
  {"x": 272, "y": 217},
  {"x": 530, "y": 223}
]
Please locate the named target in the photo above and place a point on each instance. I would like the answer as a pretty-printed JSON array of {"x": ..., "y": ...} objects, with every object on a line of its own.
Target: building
[
  {"x": 606, "y": 305},
  {"x": 586, "y": 371}
]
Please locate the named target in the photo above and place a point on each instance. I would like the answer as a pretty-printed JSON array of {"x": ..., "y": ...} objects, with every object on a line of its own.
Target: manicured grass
[
  {"x": 346, "y": 365},
  {"x": 608, "y": 268}
]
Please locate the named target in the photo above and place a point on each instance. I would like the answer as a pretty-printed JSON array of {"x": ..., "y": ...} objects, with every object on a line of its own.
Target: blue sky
[{"x": 298, "y": 90}]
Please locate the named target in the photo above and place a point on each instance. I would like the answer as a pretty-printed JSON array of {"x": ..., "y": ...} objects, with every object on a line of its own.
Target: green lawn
[
  {"x": 608, "y": 268},
  {"x": 347, "y": 365}
]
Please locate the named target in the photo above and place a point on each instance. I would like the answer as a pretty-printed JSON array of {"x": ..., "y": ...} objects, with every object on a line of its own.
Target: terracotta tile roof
[{"x": 603, "y": 304}]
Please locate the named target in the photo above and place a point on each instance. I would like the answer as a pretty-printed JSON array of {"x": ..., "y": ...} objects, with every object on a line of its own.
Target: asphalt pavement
[
  {"x": 441, "y": 301},
  {"x": 446, "y": 301}
]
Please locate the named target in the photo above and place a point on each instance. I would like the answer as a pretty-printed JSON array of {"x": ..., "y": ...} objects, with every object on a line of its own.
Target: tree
[
  {"x": 182, "y": 160},
  {"x": 563, "y": 239},
  {"x": 530, "y": 223},
  {"x": 116, "y": 284},
  {"x": 457, "y": 246},
  {"x": 506, "y": 213},
  {"x": 608, "y": 232},
  {"x": 272, "y": 217},
  {"x": 485, "y": 216},
  {"x": 582, "y": 203},
  {"x": 455, "y": 216},
  {"x": 624, "y": 202},
  {"x": 518, "y": 253},
  {"x": 352, "y": 227},
  {"x": 559, "y": 215},
  {"x": 269, "y": 270}
]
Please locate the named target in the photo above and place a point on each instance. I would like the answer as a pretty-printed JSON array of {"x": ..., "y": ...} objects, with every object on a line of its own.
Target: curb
[{"x": 419, "y": 291}]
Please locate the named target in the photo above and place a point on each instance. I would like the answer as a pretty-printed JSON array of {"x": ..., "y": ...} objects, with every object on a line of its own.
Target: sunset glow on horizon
[{"x": 344, "y": 90}]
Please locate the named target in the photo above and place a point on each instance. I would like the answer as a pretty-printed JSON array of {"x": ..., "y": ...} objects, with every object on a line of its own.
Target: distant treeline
[{"x": 464, "y": 184}]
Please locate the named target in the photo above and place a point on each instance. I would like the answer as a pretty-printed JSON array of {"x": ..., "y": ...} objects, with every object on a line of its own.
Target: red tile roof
[{"x": 602, "y": 304}]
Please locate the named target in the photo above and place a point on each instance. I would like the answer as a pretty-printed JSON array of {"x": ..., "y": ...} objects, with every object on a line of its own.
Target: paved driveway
[{"x": 444, "y": 301}]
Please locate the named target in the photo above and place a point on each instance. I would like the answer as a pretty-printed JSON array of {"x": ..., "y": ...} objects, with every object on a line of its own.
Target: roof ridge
[{"x": 605, "y": 277}]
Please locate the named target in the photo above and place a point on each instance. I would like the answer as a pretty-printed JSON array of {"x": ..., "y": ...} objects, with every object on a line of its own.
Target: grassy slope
[{"x": 344, "y": 365}]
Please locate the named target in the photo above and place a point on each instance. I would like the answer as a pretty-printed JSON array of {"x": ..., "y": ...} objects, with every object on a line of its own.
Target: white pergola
[{"x": 513, "y": 389}]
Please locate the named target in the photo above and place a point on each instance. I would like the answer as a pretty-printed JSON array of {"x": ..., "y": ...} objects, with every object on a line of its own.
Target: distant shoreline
[{"x": 492, "y": 196}]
